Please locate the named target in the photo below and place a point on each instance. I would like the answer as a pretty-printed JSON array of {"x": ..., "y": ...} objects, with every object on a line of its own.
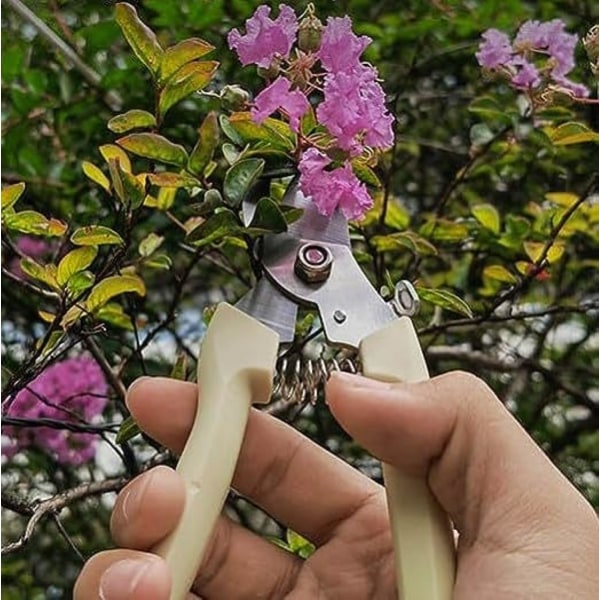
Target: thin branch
[{"x": 55, "y": 505}]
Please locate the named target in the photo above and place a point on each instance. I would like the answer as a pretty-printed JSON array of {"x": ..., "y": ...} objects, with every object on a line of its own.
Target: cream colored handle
[
  {"x": 235, "y": 369},
  {"x": 422, "y": 534}
]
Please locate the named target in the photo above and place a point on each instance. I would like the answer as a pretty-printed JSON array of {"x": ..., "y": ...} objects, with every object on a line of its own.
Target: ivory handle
[
  {"x": 235, "y": 369},
  {"x": 422, "y": 534}
]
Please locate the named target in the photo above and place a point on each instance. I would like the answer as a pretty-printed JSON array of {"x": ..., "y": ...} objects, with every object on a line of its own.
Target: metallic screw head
[
  {"x": 313, "y": 263},
  {"x": 339, "y": 316},
  {"x": 406, "y": 300}
]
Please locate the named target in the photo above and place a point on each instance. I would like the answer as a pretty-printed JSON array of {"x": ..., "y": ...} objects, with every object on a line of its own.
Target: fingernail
[
  {"x": 359, "y": 382},
  {"x": 119, "y": 581},
  {"x": 132, "y": 499}
]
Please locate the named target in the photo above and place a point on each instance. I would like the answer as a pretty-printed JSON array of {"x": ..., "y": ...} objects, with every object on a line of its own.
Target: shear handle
[
  {"x": 422, "y": 535},
  {"x": 235, "y": 369}
]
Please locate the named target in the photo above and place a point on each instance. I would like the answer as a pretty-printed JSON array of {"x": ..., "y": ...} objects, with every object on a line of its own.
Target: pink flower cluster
[
  {"x": 351, "y": 107},
  {"x": 74, "y": 390},
  {"x": 534, "y": 39}
]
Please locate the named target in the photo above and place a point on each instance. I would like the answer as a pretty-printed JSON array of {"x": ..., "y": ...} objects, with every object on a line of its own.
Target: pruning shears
[{"x": 310, "y": 264}]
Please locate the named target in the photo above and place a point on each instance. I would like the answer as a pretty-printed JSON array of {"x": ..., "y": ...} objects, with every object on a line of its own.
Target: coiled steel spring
[{"x": 300, "y": 379}]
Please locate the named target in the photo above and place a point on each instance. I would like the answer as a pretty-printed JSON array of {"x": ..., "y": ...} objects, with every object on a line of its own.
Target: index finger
[{"x": 285, "y": 473}]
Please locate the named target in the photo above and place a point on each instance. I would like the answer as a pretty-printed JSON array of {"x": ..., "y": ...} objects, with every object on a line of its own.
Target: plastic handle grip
[
  {"x": 235, "y": 369},
  {"x": 422, "y": 534}
]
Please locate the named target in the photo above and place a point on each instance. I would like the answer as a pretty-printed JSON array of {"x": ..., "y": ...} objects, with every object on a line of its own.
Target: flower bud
[
  {"x": 309, "y": 33},
  {"x": 272, "y": 71},
  {"x": 233, "y": 97}
]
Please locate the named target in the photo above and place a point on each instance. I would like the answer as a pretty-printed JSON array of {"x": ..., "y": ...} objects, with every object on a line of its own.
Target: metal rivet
[
  {"x": 406, "y": 300},
  {"x": 339, "y": 316}
]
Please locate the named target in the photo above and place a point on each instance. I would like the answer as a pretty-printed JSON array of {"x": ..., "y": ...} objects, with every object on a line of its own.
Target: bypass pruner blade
[{"x": 311, "y": 264}]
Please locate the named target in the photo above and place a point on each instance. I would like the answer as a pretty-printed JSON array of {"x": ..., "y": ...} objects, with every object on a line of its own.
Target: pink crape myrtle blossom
[
  {"x": 279, "y": 96},
  {"x": 265, "y": 38},
  {"x": 335, "y": 189},
  {"x": 354, "y": 110},
  {"x": 534, "y": 40},
  {"x": 73, "y": 390},
  {"x": 495, "y": 50},
  {"x": 341, "y": 48}
]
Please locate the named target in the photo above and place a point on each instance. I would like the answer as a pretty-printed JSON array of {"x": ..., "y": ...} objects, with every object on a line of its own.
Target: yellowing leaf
[
  {"x": 208, "y": 138},
  {"x": 75, "y": 261},
  {"x": 570, "y": 133},
  {"x": 141, "y": 39},
  {"x": 150, "y": 244},
  {"x": 277, "y": 133},
  {"x": 499, "y": 273},
  {"x": 488, "y": 216},
  {"x": 190, "y": 78},
  {"x": 92, "y": 172},
  {"x": 11, "y": 193},
  {"x": 181, "y": 54},
  {"x": 47, "y": 317},
  {"x": 535, "y": 251},
  {"x": 155, "y": 147},
  {"x": 172, "y": 180},
  {"x": 565, "y": 199},
  {"x": 132, "y": 119},
  {"x": 30, "y": 221},
  {"x": 95, "y": 235},
  {"x": 113, "y": 286},
  {"x": 110, "y": 151},
  {"x": 43, "y": 273}
]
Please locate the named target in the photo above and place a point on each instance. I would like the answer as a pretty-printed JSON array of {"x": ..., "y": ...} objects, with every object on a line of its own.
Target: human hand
[{"x": 524, "y": 531}]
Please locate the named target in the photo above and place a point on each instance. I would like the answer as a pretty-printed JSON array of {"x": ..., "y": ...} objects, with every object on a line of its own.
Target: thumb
[{"x": 480, "y": 463}]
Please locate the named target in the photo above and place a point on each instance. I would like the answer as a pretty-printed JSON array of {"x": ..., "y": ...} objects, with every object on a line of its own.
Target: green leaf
[
  {"x": 158, "y": 261},
  {"x": 208, "y": 138},
  {"x": 488, "y": 216},
  {"x": 190, "y": 78},
  {"x": 127, "y": 430},
  {"x": 140, "y": 37},
  {"x": 212, "y": 199},
  {"x": 150, "y": 244},
  {"x": 268, "y": 217},
  {"x": 276, "y": 133},
  {"x": 44, "y": 273},
  {"x": 115, "y": 170},
  {"x": 499, "y": 273},
  {"x": 570, "y": 133},
  {"x": 230, "y": 131},
  {"x": 404, "y": 240},
  {"x": 132, "y": 119},
  {"x": 92, "y": 172},
  {"x": 80, "y": 282},
  {"x": 11, "y": 193},
  {"x": 220, "y": 225},
  {"x": 179, "y": 370},
  {"x": 490, "y": 109},
  {"x": 95, "y": 235},
  {"x": 299, "y": 545},
  {"x": 230, "y": 153},
  {"x": 181, "y": 54},
  {"x": 75, "y": 261},
  {"x": 113, "y": 313},
  {"x": 172, "y": 180},
  {"x": 240, "y": 178},
  {"x": 445, "y": 230},
  {"x": 113, "y": 286},
  {"x": 446, "y": 300},
  {"x": 34, "y": 223},
  {"x": 365, "y": 173},
  {"x": 154, "y": 147}
]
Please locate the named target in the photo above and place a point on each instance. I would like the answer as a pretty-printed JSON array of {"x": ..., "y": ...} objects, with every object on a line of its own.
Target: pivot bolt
[{"x": 313, "y": 263}]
